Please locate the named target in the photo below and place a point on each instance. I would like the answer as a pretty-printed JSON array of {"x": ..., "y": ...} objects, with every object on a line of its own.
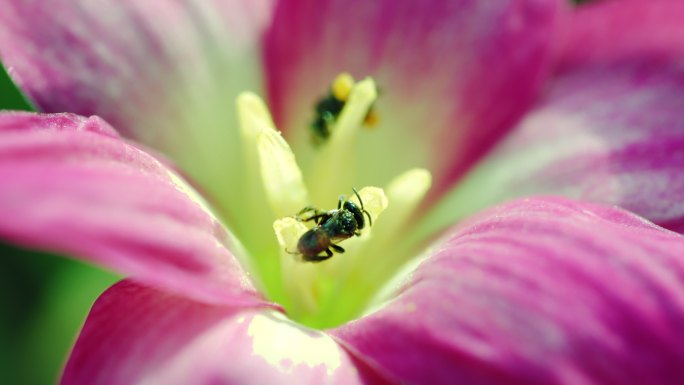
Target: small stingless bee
[
  {"x": 329, "y": 108},
  {"x": 331, "y": 227}
]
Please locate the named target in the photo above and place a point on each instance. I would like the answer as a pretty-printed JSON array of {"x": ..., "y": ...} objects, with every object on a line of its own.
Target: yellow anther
[
  {"x": 342, "y": 86},
  {"x": 372, "y": 119}
]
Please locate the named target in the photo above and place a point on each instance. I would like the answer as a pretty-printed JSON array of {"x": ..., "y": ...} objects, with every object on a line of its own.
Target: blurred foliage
[
  {"x": 10, "y": 97},
  {"x": 44, "y": 298}
]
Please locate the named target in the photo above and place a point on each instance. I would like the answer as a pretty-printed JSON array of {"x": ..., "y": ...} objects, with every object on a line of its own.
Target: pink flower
[{"x": 483, "y": 101}]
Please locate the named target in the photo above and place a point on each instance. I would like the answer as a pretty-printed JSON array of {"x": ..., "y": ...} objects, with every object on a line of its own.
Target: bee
[
  {"x": 329, "y": 108},
  {"x": 331, "y": 227}
]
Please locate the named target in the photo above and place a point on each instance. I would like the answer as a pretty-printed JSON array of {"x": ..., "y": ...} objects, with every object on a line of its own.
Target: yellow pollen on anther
[
  {"x": 361, "y": 98},
  {"x": 372, "y": 119},
  {"x": 342, "y": 86}
]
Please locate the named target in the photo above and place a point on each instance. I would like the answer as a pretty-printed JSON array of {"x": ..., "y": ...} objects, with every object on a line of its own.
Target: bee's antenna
[
  {"x": 358, "y": 197},
  {"x": 370, "y": 220}
]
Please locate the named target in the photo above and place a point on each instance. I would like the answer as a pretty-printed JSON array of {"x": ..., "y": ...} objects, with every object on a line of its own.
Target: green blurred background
[{"x": 44, "y": 298}]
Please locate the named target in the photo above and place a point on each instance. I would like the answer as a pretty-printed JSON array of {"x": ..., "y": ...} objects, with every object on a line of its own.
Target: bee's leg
[
  {"x": 320, "y": 218},
  {"x": 318, "y": 258},
  {"x": 310, "y": 213},
  {"x": 305, "y": 210},
  {"x": 337, "y": 248}
]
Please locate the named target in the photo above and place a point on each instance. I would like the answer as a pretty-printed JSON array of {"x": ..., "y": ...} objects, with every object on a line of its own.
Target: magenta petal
[
  {"x": 71, "y": 186},
  {"x": 165, "y": 73},
  {"x": 611, "y": 129},
  {"x": 598, "y": 35},
  {"x": 121, "y": 59},
  {"x": 539, "y": 291},
  {"x": 138, "y": 335},
  {"x": 452, "y": 75}
]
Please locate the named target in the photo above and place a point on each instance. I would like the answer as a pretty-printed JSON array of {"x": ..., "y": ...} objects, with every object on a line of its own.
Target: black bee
[
  {"x": 329, "y": 108},
  {"x": 331, "y": 226},
  {"x": 327, "y": 111}
]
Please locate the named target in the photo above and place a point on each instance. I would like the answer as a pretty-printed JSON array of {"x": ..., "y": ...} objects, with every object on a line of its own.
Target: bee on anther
[
  {"x": 329, "y": 108},
  {"x": 331, "y": 227}
]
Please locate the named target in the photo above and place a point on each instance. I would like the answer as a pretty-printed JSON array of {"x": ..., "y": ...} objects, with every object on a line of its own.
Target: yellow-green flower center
[{"x": 339, "y": 288}]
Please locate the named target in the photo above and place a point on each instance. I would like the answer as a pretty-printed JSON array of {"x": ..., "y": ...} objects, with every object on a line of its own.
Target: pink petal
[
  {"x": 138, "y": 335},
  {"x": 598, "y": 33},
  {"x": 117, "y": 59},
  {"x": 453, "y": 75},
  {"x": 611, "y": 128},
  {"x": 73, "y": 187},
  {"x": 539, "y": 291},
  {"x": 165, "y": 73}
]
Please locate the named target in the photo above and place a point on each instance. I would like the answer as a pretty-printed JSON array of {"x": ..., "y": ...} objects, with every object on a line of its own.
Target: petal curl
[
  {"x": 138, "y": 335},
  {"x": 452, "y": 75},
  {"x": 71, "y": 186},
  {"x": 539, "y": 291},
  {"x": 165, "y": 73},
  {"x": 611, "y": 128}
]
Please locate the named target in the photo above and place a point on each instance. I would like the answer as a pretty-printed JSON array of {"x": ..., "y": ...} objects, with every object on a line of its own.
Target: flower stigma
[{"x": 350, "y": 250}]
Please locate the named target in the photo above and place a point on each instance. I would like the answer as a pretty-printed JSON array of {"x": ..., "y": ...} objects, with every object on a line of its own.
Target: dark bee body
[
  {"x": 331, "y": 227},
  {"x": 329, "y": 108}
]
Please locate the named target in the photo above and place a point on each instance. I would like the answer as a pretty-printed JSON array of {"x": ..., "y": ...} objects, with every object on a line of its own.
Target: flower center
[{"x": 328, "y": 262}]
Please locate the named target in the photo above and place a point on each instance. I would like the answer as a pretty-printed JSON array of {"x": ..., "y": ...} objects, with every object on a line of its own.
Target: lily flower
[{"x": 435, "y": 111}]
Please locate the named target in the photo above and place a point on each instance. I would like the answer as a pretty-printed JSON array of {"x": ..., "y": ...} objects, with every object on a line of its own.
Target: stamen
[
  {"x": 342, "y": 86},
  {"x": 328, "y": 108},
  {"x": 334, "y": 168},
  {"x": 298, "y": 278},
  {"x": 372, "y": 119},
  {"x": 361, "y": 98},
  {"x": 281, "y": 177},
  {"x": 405, "y": 192},
  {"x": 254, "y": 117}
]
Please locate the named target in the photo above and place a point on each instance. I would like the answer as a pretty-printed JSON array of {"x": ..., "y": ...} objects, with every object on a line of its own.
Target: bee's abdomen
[{"x": 313, "y": 241}]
